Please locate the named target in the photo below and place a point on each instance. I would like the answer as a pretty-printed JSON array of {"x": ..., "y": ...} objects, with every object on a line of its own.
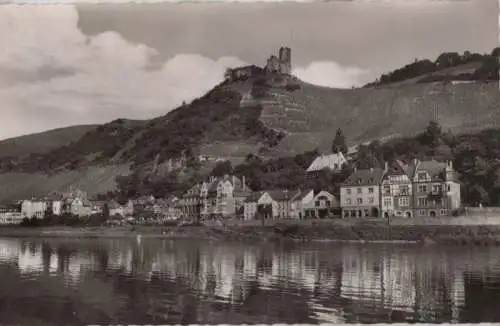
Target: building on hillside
[
  {"x": 322, "y": 205},
  {"x": 273, "y": 204},
  {"x": 334, "y": 162},
  {"x": 33, "y": 208},
  {"x": 281, "y": 64},
  {"x": 242, "y": 73},
  {"x": 436, "y": 188},
  {"x": 360, "y": 193},
  {"x": 11, "y": 214},
  {"x": 223, "y": 197},
  {"x": 396, "y": 190}
]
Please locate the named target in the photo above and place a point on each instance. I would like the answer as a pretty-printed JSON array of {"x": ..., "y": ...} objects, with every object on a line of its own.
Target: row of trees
[{"x": 487, "y": 71}]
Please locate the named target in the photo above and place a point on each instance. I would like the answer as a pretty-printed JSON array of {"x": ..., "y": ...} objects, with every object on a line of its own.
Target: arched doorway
[
  {"x": 408, "y": 214},
  {"x": 386, "y": 215},
  {"x": 375, "y": 212},
  {"x": 432, "y": 214}
]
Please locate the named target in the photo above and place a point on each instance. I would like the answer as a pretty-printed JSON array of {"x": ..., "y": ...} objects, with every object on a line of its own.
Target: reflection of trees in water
[{"x": 482, "y": 297}]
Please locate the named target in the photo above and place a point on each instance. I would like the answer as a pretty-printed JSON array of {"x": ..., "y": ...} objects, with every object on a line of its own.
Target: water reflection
[{"x": 151, "y": 281}]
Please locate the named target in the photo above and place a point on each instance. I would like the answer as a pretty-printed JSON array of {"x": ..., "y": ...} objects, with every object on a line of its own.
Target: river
[{"x": 58, "y": 281}]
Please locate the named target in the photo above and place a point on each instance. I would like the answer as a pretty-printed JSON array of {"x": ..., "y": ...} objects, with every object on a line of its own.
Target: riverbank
[{"x": 363, "y": 232}]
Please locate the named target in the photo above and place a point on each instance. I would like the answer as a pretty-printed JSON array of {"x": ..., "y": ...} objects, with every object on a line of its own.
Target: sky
[{"x": 63, "y": 65}]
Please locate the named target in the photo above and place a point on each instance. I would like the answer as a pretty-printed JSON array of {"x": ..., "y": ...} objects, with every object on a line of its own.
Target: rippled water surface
[{"x": 163, "y": 281}]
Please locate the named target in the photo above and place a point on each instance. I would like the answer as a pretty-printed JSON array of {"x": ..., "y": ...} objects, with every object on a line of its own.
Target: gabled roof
[
  {"x": 302, "y": 194},
  {"x": 331, "y": 161},
  {"x": 365, "y": 177},
  {"x": 254, "y": 197},
  {"x": 282, "y": 195},
  {"x": 434, "y": 168}
]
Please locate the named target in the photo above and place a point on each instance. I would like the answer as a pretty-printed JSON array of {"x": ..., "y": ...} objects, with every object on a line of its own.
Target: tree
[
  {"x": 339, "y": 143},
  {"x": 105, "y": 212},
  {"x": 432, "y": 135},
  {"x": 222, "y": 169}
]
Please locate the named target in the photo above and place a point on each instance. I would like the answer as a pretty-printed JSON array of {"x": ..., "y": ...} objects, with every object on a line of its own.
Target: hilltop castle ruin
[{"x": 281, "y": 64}]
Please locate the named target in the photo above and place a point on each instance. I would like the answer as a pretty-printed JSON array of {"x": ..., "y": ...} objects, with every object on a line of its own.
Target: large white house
[{"x": 334, "y": 162}]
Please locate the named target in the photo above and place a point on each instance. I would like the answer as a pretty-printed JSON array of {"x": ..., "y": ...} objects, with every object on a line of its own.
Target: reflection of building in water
[
  {"x": 30, "y": 260},
  {"x": 361, "y": 277},
  {"x": 457, "y": 294},
  {"x": 399, "y": 285},
  {"x": 387, "y": 281},
  {"x": 224, "y": 270},
  {"x": 9, "y": 250},
  {"x": 77, "y": 265}
]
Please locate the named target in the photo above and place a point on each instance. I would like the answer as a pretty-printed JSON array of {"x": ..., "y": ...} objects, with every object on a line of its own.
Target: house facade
[
  {"x": 360, "y": 193},
  {"x": 223, "y": 197},
  {"x": 273, "y": 204},
  {"x": 33, "y": 208},
  {"x": 191, "y": 202},
  {"x": 11, "y": 214},
  {"x": 300, "y": 202},
  {"x": 397, "y": 190},
  {"x": 322, "y": 205},
  {"x": 436, "y": 189}
]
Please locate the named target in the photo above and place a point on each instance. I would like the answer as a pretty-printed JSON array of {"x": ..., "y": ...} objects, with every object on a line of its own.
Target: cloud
[
  {"x": 332, "y": 74},
  {"x": 53, "y": 75},
  {"x": 89, "y": 79}
]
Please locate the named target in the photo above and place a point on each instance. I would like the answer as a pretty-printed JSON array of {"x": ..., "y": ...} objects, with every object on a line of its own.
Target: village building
[
  {"x": 191, "y": 202},
  {"x": 360, "y": 193},
  {"x": 11, "y": 214},
  {"x": 436, "y": 188},
  {"x": 300, "y": 202},
  {"x": 322, "y": 205},
  {"x": 33, "y": 208},
  {"x": 223, "y": 197},
  {"x": 396, "y": 192},
  {"x": 274, "y": 204}
]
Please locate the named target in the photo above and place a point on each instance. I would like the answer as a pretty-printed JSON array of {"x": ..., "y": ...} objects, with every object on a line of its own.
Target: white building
[
  {"x": 334, "y": 162},
  {"x": 33, "y": 208}
]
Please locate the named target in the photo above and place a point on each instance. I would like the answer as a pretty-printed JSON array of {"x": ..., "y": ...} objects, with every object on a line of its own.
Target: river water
[{"x": 55, "y": 281}]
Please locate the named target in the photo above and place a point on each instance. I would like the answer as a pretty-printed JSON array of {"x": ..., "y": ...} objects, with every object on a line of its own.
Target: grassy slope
[
  {"x": 311, "y": 115},
  {"x": 42, "y": 142}
]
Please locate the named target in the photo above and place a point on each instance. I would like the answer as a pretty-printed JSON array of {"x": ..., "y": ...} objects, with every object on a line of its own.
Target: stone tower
[{"x": 285, "y": 58}]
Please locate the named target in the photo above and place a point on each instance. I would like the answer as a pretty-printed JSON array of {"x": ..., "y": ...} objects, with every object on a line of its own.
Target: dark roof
[
  {"x": 254, "y": 197},
  {"x": 302, "y": 193},
  {"x": 282, "y": 195},
  {"x": 434, "y": 168},
  {"x": 365, "y": 177}
]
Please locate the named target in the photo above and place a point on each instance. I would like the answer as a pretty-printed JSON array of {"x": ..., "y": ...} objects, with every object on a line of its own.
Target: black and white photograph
[{"x": 220, "y": 162}]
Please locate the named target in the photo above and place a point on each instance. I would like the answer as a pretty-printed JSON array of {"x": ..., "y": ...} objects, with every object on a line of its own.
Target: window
[
  {"x": 317, "y": 203},
  {"x": 348, "y": 202},
  {"x": 436, "y": 188},
  {"x": 359, "y": 190},
  {"x": 387, "y": 202},
  {"x": 421, "y": 212},
  {"x": 422, "y": 175},
  {"x": 443, "y": 212},
  {"x": 422, "y": 188},
  {"x": 449, "y": 187},
  {"x": 359, "y": 201},
  {"x": 328, "y": 203},
  {"x": 404, "y": 190},
  {"x": 348, "y": 191},
  {"x": 370, "y": 190},
  {"x": 422, "y": 201},
  {"x": 387, "y": 190},
  {"x": 404, "y": 202},
  {"x": 371, "y": 200}
]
